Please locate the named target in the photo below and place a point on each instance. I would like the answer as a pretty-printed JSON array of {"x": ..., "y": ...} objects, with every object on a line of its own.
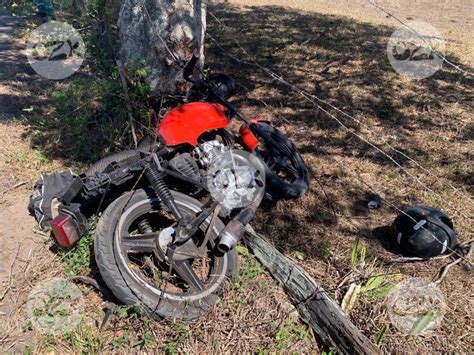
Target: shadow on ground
[{"x": 343, "y": 62}]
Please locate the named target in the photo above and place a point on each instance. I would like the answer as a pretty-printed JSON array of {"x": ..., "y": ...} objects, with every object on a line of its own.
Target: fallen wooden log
[{"x": 313, "y": 303}]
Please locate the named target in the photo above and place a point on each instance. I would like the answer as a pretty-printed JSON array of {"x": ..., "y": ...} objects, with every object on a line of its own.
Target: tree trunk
[{"x": 162, "y": 34}]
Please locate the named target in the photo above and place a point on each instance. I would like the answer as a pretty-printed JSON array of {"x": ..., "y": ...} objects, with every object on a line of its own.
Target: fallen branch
[
  {"x": 128, "y": 101},
  {"x": 14, "y": 187},
  {"x": 465, "y": 251},
  {"x": 7, "y": 289},
  {"x": 94, "y": 283},
  {"x": 110, "y": 305},
  {"x": 313, "y": 303},
  {"x": 408, "y": 259}
]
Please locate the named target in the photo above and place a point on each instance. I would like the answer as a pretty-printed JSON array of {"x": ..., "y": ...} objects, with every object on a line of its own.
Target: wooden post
[{"x": 313, "y": 303}]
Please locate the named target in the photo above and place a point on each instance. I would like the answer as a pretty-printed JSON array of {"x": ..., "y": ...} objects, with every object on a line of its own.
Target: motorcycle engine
[
  {"x": 185, "y": 164},
  {"x": 206, "y": 155},
  {"x": 212, "y": 153},
  {"x": 230, "y": 176}
]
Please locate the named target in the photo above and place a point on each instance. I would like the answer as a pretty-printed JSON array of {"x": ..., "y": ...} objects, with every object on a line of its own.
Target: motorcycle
[{"x": 167, "y": 244}]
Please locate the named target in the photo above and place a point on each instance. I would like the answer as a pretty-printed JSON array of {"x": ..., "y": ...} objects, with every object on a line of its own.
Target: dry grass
[{"x": 343, "y": 61}]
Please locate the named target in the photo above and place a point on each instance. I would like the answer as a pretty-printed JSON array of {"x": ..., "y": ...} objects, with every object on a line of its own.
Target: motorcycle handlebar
[{"x": 188, "y": 73}]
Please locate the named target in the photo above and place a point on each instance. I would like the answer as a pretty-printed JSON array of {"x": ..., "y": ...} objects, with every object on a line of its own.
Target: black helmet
[
  {"x": 424, "y": 232},
  {"x": 223, "y": 85}
]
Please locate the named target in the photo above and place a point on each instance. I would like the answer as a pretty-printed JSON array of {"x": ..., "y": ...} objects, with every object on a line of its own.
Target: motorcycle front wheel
[
  {"x": 286, "y": 173},
  {"x": 125, "y": 252}
]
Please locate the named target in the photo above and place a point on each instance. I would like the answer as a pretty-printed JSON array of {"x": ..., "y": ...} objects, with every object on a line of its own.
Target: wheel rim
[{"x": 134, "y": 255}]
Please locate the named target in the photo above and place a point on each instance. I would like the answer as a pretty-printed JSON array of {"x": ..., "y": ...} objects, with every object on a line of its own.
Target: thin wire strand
[
  {"x": 308, "y": 97},
  {"x": 412, "y": 30},
  {"x": 173, "y": 55},
  {"x": 345, "y": 114}
]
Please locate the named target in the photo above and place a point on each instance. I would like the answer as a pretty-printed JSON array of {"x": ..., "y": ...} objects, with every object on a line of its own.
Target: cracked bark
[
  {"x": 312, "y": 301},
  {"x": 162, "y": 34}
]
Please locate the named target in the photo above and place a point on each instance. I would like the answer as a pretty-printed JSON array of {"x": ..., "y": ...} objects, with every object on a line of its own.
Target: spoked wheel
[
  {"x": 286, "y": 173},
  {"x": 133, "y": 257}
]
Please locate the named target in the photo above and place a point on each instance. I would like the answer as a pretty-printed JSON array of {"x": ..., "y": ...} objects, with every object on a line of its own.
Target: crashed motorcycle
[{"x": 178, "y": 204}]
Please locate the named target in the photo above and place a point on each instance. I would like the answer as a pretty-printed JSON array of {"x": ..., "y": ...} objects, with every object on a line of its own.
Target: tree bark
[{"x": 162, "y": 34}]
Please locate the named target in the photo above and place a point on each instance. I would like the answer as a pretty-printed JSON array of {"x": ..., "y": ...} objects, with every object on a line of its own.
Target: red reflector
[
  {"x": 64, "y": 230},
  {"x": 248, "y": 138}
]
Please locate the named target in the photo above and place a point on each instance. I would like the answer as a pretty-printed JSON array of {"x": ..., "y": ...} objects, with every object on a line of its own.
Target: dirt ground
[
  {"x": 24, "y": 251},
  {"x": 335, "y": 49},
  {"x": 454, "y": 19}
]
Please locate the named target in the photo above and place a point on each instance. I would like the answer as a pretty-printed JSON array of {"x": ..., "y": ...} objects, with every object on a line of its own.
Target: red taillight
[{"x": 65, "y": 230}]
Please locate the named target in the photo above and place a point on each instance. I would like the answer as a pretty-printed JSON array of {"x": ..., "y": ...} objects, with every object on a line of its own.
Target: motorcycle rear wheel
[
  {"x": 146, "y": 144},
  {"x": 117, "y": 158},
  {"x": 124, "y": 266}
]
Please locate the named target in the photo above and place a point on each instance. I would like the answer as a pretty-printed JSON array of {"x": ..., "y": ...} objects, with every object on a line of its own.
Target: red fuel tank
[{"x": 186, "y": 123}]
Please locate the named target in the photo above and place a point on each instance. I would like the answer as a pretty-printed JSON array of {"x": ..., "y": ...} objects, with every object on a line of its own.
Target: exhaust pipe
[{"x": 233, "y": 232}]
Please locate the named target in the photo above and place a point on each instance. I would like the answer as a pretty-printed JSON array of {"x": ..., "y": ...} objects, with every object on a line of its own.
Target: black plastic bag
[{"x": 48, "y": 188}]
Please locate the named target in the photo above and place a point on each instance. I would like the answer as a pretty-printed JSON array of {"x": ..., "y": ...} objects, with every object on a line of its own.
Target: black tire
[
  {"x": 146, "y": 144},
  {"x": 127, "y": 285},
  {"x": 278, "y": 187},
  {"x": 102, "y": 164}
]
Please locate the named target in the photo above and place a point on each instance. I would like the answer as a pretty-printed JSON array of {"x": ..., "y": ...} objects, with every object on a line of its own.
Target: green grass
[
  {"x": 290, "y": 333},
  {"x": 123, "y": 342},
  {"x": 330, "y": 351},
  {"x": 358, "y": 254},
  {"x": 381, "y": 334},
  {"x": 173, "y": 342},
  {"x": 250, "y": 268},
  {"x": 81, "y": 256},
  {"x": 86, "y": 340},
  {"x": 18, "y": 8},
  {"x": 21, "y": 155},
  {"x": 89, "y": 119},
  {"x": 146, "y": 340}
]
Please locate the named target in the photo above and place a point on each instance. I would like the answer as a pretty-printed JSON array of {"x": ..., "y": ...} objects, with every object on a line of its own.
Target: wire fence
[
  {"x": 417, "y": 34},
  {"x": 311, "y": 97}
]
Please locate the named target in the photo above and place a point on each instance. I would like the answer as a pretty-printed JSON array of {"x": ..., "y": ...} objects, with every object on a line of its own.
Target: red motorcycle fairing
[{"x": 186, "y": 123}]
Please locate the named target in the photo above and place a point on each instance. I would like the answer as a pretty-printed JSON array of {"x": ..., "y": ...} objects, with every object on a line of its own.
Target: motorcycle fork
[{"x": 155, "y": 178}]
